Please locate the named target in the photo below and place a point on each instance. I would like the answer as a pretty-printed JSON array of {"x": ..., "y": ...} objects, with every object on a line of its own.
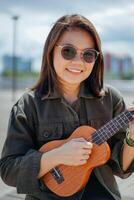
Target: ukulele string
[
  {"x": 98, "y": 157},
  {"x": 64, "y": 170},
  {"x": 110, "y": 129}
]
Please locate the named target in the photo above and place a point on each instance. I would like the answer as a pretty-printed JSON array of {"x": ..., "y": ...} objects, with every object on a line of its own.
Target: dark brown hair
[{"x": 48, "y": 79}]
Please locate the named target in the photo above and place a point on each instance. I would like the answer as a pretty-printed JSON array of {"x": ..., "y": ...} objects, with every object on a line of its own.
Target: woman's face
[{"x": 76, "y": 70}]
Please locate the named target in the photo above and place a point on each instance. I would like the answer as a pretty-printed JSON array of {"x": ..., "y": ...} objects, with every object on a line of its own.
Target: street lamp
[{"x": 14, "y": 60}]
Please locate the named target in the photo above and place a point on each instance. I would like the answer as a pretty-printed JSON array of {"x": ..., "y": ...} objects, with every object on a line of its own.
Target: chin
[{"x": 74, "y": 81}]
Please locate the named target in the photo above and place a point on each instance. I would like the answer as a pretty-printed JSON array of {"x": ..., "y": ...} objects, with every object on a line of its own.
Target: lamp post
[{"x": 14, "y": 60}]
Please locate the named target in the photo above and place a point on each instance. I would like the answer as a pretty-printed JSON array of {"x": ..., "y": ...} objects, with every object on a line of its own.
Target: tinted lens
[
  {"x": 89, "y": 55},
  {"x": 68, "y": 52}
]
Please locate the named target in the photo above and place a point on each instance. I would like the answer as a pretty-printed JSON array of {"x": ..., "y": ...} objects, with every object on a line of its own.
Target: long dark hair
[{"x": 48, "y": 79}]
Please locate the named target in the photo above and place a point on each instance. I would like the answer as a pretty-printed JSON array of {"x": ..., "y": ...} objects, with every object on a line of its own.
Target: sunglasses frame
[{"x": 81, "y": 52}]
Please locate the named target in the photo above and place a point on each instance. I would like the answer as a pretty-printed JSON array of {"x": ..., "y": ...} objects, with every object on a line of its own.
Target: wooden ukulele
[{"x": 66, "y": 180}]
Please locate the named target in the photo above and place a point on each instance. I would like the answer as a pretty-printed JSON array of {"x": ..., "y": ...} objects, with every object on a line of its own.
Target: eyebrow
[
  {"x": 67, "y": 44},
  {"x": 75, "y": 46}
]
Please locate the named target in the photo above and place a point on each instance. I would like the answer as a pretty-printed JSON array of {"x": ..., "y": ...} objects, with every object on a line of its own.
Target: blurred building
[
  {"x": 118, "y": 66},
  {"x": 22, "y": 64}
]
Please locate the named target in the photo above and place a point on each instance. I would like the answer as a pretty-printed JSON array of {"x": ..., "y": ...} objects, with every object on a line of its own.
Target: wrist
[
  {"x": 51, "y": 157},
  {"x": 129, "y": 140},
  {"x": 57, "y": 155},
  {"x": 131, "y": 131}
]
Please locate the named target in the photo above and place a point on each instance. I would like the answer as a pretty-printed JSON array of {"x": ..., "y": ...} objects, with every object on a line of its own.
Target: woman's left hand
[{"x": 132, "y": 123}]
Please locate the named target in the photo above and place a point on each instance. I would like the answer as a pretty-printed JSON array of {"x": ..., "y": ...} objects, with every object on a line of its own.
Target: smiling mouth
[{"x": 74, "y": 70}]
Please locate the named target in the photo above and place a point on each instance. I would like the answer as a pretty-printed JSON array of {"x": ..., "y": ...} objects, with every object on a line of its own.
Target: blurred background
[{"x": 24, "y": 26}]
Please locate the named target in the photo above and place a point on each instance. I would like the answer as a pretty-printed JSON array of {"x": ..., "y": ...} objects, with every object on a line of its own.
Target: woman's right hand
[{"x": 75, "y": 152}]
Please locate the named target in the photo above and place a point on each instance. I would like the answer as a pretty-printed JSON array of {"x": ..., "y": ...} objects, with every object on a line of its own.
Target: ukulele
[{"x": 66, "y": 180}]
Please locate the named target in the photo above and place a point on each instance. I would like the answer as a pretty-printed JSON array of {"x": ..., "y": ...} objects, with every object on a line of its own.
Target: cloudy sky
[{"x": 114, "y": 20}]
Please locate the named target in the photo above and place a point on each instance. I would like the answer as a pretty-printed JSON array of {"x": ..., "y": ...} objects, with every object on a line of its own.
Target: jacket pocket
[{"x": 50, "y": 131}]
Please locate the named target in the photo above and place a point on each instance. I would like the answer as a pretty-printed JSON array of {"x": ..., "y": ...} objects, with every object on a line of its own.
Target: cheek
[
  {"x": 90, "y": 67},
  {"x": 57, "y": 65},
  {"x": 59, "y": 62},
  {"x": 55, "y": 60}
]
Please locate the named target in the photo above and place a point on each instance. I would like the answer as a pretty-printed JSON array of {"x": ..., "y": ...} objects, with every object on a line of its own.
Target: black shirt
[{"x": 94, "y": 190}]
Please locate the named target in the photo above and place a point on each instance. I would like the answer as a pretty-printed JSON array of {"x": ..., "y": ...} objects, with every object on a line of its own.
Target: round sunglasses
[{"x": 69, "y": 52}]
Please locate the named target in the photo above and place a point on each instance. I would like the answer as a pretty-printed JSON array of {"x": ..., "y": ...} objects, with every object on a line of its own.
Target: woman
[{"x": 69, "y": 94}]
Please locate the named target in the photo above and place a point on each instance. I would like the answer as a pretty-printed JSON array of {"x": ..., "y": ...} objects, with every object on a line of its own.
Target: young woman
[{"x": 69, "y": 93}]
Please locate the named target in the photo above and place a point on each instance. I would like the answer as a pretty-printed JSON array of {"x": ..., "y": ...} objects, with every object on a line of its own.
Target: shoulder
[
  {"x": 116, "y": 98},
  {"x": 27, "y": 102},
  {"x": 28, "y": 97},
  {"x": 113, "y": 92}
]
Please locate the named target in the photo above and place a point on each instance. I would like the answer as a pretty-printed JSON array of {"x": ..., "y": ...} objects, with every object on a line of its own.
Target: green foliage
[
  {"x": 110, "y": 75},
  {"x": 20, "y": 75}
]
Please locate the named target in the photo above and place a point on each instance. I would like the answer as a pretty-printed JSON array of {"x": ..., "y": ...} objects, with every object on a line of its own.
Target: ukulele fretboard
[{"x": 112, "y": 127}]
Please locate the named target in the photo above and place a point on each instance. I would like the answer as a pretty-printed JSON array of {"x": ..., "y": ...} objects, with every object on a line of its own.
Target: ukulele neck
[{"x": 113, "y": 126}]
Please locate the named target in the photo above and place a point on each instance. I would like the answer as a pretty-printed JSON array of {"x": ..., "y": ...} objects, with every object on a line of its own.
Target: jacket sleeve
[
  {"x": 20, "y": 160},
  {"x": 117, "y": 141}
]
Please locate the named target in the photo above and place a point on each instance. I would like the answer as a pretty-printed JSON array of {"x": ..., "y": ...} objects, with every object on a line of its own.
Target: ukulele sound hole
[{"x": 55, "y": 172}]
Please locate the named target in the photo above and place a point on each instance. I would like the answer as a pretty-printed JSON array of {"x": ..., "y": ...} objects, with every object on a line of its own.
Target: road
[{"x": 125, "y": 186}]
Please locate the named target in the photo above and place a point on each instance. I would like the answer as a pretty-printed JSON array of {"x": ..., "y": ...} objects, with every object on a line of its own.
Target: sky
[{"x": 113, "y": 19}]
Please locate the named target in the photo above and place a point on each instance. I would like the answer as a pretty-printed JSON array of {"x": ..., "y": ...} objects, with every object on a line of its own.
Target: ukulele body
[{"x": 67, "y": 180}]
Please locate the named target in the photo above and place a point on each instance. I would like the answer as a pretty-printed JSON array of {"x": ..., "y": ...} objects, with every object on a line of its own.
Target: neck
[{"x": 70, "y": 92}]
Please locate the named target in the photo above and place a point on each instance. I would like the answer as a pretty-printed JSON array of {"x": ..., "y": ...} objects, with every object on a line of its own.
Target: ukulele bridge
[{"x": 55, "y": 172}]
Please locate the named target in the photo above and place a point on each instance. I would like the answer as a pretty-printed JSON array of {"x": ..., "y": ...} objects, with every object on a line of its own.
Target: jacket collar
[{"x": 84, "y": 93}]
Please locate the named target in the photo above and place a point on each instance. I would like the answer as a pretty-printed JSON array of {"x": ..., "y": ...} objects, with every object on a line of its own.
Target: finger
[
  {"x": 132, "y": 122},
  {"x": 81, "y": 139},
  {"x": 131, "y": 125},
  {"x": 82, "y": 162},
  {"x": 87, "y": 152},
  {"x": 131, "y": 106},
  {"x": 87, "y": 145},
  {"x": 85, "y": 157},
  {"x": 131, "y": 109}
]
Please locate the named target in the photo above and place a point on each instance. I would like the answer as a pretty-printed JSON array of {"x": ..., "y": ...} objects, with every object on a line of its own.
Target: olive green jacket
[{"x": 36, "y": 120}]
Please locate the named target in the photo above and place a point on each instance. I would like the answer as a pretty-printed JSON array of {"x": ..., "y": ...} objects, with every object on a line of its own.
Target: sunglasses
[{"x": 69, "y": 52}]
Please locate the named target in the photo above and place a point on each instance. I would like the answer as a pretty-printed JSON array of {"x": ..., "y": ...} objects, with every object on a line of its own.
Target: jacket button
[{"x": 46, "y": 134}]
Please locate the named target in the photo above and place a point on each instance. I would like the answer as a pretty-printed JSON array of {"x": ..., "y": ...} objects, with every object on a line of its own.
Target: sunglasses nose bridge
[{"x": 78, "y": 56}]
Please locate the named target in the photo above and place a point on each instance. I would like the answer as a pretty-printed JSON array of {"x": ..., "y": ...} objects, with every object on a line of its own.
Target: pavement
[{"x": 126, "y": 186}]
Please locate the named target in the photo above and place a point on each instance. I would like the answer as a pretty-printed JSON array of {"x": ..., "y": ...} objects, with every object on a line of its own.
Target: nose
[{"x": 78, "y": 57}]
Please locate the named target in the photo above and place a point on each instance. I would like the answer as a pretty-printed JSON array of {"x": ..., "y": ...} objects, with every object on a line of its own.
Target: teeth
[{"x": 74, "y": 70}]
